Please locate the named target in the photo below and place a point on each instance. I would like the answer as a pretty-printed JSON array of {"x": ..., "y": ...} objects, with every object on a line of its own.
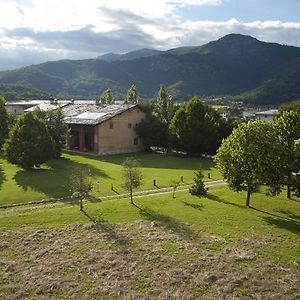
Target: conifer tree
[
  {"x": 132, "y": 95},
  {"x": 198, "y": 188}
]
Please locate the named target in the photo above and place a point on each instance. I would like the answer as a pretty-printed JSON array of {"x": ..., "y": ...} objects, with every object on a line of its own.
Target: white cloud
[{"x": 36, "y": 31}]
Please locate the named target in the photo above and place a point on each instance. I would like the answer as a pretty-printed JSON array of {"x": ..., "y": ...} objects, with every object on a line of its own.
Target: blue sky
[
  {"x": 34, "y": 31},
  {"x": 247, "y": 11}
]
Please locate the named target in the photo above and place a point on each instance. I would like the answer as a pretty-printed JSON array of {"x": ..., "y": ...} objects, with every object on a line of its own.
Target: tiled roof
[{"x": 92, "y": 114}]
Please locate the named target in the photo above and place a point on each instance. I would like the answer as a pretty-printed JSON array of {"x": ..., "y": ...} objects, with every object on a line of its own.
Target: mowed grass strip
[
  {"x": 273, "y": 221},
  {"x": 52, "y": 180}
]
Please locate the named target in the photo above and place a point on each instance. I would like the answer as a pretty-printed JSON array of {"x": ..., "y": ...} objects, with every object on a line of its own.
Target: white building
[{"x": 268, "y": 115}]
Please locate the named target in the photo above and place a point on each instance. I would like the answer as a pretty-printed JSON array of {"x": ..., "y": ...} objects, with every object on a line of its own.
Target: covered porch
[{"x": 83, "y": 138}]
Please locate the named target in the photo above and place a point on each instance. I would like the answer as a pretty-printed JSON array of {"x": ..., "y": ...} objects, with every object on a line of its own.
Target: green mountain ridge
[{"x": 237, "y": 65}]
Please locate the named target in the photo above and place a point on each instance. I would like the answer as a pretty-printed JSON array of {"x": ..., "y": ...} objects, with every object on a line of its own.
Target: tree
[
  {"x": 163, "y": 106},
  {"x": 81, "y": 185},
  {"x": 147, "y": 127},
  {"x": 251, "y": 157},
  {"x": 132, "y": 95},
  {"x": 294, "y": 106},
  {"x": 132, "y": 176},
  {"x": 197, "y": 128},
  {"x": 164, "y": 109},
  {"x": 107, "y": 97},
  {"x": 295, "y": 180},
  {"x": 29, "y": 143},
  {"x": 57, "y": 128},
  {"x": 3, "y": 122},
  {"x": 287, "y": 126},
  {"x": 198, "y": 188}
]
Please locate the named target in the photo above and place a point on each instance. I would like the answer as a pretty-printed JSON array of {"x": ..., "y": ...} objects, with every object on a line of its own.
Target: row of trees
[
  {"x": 34, "y": 137},
  {"x": 131, "y": 98},
  {"x": 195, "y": 127},
  {"x": 259, "y": 154}
]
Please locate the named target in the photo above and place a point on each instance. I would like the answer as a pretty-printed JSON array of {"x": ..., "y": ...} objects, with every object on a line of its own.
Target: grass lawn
[
  {"x": 162, "y": 248},
  {"x": 53, "y": 179}
]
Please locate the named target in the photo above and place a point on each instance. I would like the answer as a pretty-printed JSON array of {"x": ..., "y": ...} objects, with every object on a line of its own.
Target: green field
[
  {"x": 53, "y": 179},
  {"x": 160, "y": 248}
]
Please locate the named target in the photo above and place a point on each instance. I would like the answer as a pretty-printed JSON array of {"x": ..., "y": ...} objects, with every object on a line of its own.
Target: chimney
[{"x": 97, "y": 101}]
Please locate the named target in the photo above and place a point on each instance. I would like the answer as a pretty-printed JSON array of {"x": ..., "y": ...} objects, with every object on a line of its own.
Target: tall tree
[
  {"x": 163, "y": 106},
  {"x": 251, "y": 157},
  {"x": 132, "y": 176},
  {"x": 287, "y": 126},
  {"x": 164, "y": 109},
  {"x": 107, "y": 97},
  {"x": 132, "y": 95},
  {"x": 3, "y": 122},
  {"x": 29, "y": 143}
]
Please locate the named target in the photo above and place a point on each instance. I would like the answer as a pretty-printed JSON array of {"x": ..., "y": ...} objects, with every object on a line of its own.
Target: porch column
[
  {"x": 81, "y": 139},
  {"x": 96, "y": 139}
]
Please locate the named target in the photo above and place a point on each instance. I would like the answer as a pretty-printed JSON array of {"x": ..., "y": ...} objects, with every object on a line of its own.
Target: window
[
  {"x": 135, "y": 141},
  {"x": 129, "y": 125},
  {"x": 111, "y": 125}
]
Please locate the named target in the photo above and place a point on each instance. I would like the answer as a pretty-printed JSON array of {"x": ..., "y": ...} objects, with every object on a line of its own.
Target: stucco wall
[{"x": 120, "y": 138}]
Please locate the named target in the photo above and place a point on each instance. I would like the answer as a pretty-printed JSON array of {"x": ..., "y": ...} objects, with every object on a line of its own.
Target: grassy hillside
[{"x": 161, "y": 248}]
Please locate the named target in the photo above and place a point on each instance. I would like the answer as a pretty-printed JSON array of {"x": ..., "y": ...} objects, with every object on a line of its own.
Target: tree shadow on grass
[
  {"x": 167, "y": 222},
  {"x": 2, "y": 177},
  {"x": 110, "y": 230},
  {"x": 290, "y": 222},
  {"x": 289, "y": 214},
  {"x": 220, "y": 200},
  {"x": 55, "y": 182},
  {"x": 195, "y": 206}
]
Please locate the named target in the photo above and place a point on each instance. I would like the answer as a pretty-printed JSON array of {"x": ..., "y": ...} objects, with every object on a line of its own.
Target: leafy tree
[
  {"x": 107, "y": 97},
  {"x": 287, "y": 126},
  {"x": 132, "y": 95},
  {"x": 251, "y": 157},
  {"x": 29, "y": 143},
  {"x": 81, "y": 185},
  {"x": 3, "y": 122},
  {"x": 132, "y": 176},
  {"x": 56, "y": 126},
  {"x": 294, "y": 106},
  {"x": 197, "y": 128},
  {"x": 148, "y": 127},
  {"x": 198, "y": 188}
]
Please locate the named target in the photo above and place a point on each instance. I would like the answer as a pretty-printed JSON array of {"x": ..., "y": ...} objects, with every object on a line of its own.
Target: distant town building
[{"x": 268, "y": 115}]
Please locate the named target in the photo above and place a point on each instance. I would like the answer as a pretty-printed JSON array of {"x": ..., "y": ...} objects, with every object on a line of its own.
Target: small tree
[
  {"x": 132, "y": 95},
  {"x": 3, "y": 122},
  {"x": 198, "y": 188},
  {"x": 107, "y": 97},
  {"x": 29, "y": 143},
  {"x": 132, "y": 176},
  {"x": 81, "y": 185}
]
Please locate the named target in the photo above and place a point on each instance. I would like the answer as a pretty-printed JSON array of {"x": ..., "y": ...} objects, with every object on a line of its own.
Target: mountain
[
  {"x": 15, "y": 92},
  {"x": 236, "y": 65},
  {"x": 130, "y": 55}
]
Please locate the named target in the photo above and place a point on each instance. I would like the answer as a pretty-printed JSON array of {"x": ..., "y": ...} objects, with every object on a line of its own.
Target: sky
[{"x": 35, "y": 31}]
